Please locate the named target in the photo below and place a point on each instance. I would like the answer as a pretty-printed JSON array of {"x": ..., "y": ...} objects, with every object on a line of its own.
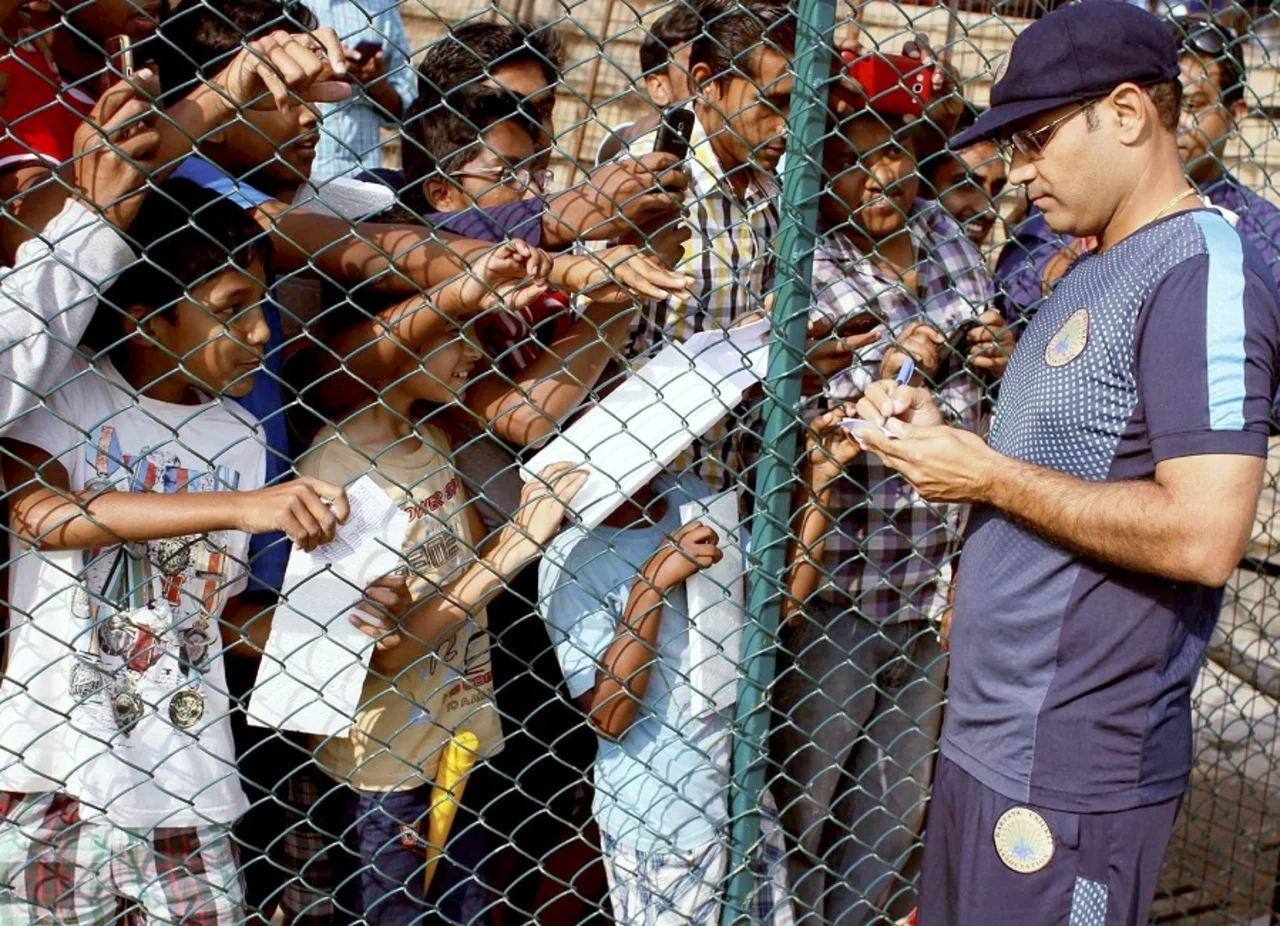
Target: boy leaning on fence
[
  {"x": 616, "y": 608},
  {"x": 135, "y": 489}
]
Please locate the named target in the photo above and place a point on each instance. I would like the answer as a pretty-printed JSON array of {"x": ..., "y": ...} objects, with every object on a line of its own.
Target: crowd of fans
[{"x": 223, "y": 308}]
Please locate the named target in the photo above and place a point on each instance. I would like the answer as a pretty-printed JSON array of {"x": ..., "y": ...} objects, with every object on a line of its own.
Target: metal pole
[{"x": 775, "y": 479}]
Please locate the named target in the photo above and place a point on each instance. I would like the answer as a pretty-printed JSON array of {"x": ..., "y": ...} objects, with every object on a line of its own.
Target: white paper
[
  {"x": 315, "y": 663},
  {"x": 716, "y": 597},
  {"x": 629, "y": 437},
  {"x": 856, "y": 426}
]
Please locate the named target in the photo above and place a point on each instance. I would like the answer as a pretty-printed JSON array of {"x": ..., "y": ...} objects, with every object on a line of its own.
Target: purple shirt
[
  {"x": 1071, "y": 679},
  {"x": 1259, "y": 219}
]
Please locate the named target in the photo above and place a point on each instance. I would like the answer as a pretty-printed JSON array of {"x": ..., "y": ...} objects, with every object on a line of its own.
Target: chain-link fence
[{"x": 447, "y": 480}]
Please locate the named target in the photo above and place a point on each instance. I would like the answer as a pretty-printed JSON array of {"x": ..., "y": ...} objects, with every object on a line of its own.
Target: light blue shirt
[
  {"x": 662, "y": 786},
  {"x": 350, "y": 138}
]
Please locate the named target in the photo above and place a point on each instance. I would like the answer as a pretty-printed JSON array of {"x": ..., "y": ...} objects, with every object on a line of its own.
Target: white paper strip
[
  {"x": 627, "y": 439},
  {"x": 315, "y": 663},
  {"x": 716, "y": 597}
]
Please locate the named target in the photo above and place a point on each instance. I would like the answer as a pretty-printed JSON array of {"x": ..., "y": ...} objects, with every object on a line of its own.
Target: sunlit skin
[
  {"x": 1063, "y": 184},
  {"x": 745, "y": 118},
  {"x": 1207, "y": 123},
  {"x": 969, "y": 185},
  {"x": 102, "y": 18},
  {"x": 1105, "y": 170},
  {"x": 671, "y": 86},
  {"x": 217, "y": 334}
]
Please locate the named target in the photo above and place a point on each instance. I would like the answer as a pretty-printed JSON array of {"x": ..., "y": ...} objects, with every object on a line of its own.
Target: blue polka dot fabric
[
  {"x": 1088, "y": 903},
  {"x": 1070, "y": 417}
]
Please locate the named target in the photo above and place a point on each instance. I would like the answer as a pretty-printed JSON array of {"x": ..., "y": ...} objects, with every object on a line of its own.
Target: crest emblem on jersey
[
  {"x": 1070, "y": 341},
  {"x": 1023, "y": 840}
]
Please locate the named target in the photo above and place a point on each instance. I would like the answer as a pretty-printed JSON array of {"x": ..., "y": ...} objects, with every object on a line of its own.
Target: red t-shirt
[{"x": 42, "y": 112}]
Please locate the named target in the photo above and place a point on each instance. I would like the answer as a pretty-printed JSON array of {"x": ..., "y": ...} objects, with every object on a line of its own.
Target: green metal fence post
[{"x": 775, "y": 478}]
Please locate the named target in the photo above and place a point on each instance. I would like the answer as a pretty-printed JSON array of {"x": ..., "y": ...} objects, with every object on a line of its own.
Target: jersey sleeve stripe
[{"x": 1224, "y": 323}]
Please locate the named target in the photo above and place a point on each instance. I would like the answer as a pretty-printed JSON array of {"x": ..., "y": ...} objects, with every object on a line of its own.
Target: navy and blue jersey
[{"x": 1071, "y": 679}]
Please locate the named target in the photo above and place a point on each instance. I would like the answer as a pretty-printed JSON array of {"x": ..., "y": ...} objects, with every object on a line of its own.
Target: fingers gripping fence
[{"x": 433, "y": 483}]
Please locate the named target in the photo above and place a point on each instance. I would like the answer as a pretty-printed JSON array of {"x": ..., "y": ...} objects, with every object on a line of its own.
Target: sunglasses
[
  {"x": 1202, "y": 34},
  {"x": 1030, "y": 143}
]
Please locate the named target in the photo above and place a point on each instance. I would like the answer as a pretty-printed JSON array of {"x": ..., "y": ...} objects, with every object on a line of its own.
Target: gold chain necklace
[{"x": 1164, "y": 210}]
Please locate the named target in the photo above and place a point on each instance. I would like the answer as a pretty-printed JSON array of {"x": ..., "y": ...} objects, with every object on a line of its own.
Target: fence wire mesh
[{"x": 430, "y": 471}]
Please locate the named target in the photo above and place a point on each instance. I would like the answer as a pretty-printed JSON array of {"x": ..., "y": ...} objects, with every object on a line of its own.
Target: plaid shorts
[
  {"x": 683, "y": 888},
  {"x": 308, "y": 896},
  {"x": 57, "y": 869}
]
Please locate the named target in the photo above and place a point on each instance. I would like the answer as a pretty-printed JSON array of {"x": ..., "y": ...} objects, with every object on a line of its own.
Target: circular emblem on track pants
[{"x": 1023, "y": 840}]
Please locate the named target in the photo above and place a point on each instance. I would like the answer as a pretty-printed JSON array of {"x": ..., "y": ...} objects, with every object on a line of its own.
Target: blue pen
[{"x": 905, "y": 372}]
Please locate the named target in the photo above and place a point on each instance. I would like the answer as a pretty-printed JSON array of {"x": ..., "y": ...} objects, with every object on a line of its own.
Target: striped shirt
[
  {"x": 350, "y": 136},
  {"x": 731, "y": 261}
]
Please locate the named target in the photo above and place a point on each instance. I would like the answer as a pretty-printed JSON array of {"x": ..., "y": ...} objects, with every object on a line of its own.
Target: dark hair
[
  {"x": 470, "y": 52},
  {"x": 449, "y": 136},
  {"x": 197, "y": 39},
  {"x": 183, "y": 235},
  {"x": 674, "y": 28},
  {"x": 1167, "y": 97},
  {"x": 733, "y": 30},
  {"x": 1213, "y": 44}
]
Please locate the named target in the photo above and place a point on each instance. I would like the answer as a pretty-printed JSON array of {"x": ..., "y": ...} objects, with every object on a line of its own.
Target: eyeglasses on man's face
[
  {"x": 1031, "y": 143},
  {"x": 521, "y": 178}
]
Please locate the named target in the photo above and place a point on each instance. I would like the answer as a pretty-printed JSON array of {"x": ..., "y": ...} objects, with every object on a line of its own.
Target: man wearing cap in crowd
[{"x": 1113, "y": 499}]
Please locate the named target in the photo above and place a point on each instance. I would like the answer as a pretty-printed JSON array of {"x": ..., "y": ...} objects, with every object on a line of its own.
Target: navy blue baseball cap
[{"x": 1076, "y": 53}]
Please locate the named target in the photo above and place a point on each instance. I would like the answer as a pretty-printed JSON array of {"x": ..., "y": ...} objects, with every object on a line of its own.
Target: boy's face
[
  {"x": 218, "y": 332},
  {"x": 101, "y": 19},
  {"x": 872, "y": 179},
  {"x": 445, "y": 371},
  {"x": 493, "y": 177},
  {"x": 281, "y": 143}
]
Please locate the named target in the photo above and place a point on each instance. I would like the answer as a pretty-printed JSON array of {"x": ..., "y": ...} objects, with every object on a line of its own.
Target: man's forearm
[
  {"x": 808, "y": 536},
  {"x": 1134, "y": 524},
  {"x": 528, "y": 409}
]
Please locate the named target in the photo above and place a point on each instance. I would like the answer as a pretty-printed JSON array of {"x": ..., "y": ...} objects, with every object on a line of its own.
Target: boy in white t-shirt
[{"x": 135, "y": 490}]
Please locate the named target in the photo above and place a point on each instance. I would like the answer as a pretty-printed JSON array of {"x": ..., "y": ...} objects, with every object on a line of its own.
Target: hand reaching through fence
[
  {"x": 992, "y": 344},
  {"x": 115, "y": 162},
  {"x": 386, "y": 602},
  {"x": 620, "y": 275},
  {"x": 291, "y": 68},
  {"x": 616, "y": 199},
  {"x": 307, "y": 510},
  {"x": 511, "y": 274}
]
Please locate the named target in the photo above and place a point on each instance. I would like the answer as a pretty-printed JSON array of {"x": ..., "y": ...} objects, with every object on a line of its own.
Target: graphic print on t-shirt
[{"x": 151, "y": 606}]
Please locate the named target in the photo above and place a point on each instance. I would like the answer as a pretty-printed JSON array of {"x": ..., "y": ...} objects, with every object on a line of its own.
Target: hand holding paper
[{"x": 316, "y": 658}]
